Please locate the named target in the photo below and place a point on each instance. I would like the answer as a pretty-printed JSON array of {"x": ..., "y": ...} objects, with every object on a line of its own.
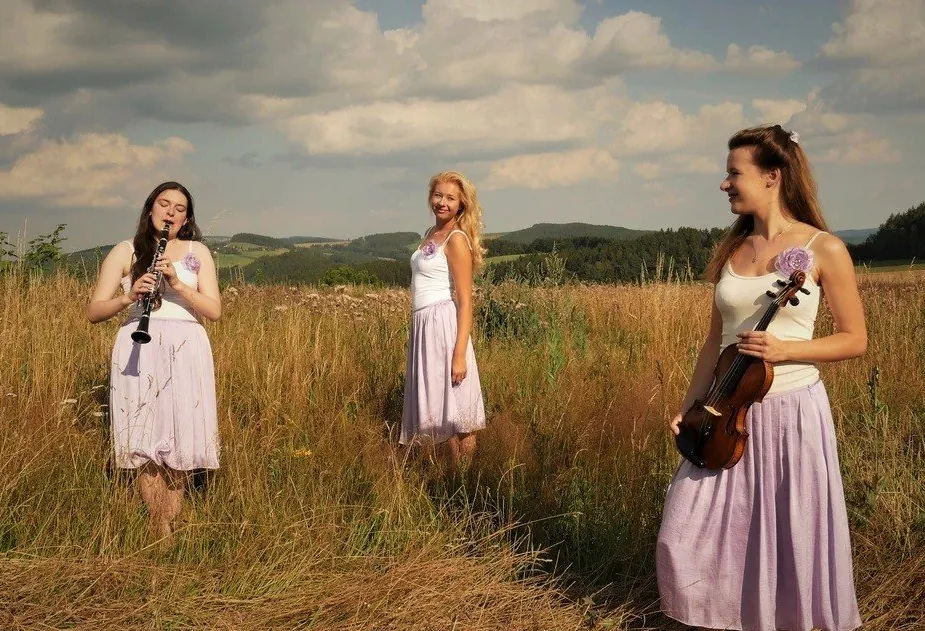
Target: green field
[
  {"x": 892, "y": 266},
  {"x": 501, "y": 259},
  {"x": 244, "y": 253}
]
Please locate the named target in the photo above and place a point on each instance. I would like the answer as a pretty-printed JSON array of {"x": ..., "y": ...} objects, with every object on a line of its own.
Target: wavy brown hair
[
  {"x": 773, "y": 149},
  {"x": 146, "y": 235},
  {"x": 469, "y": 217}
]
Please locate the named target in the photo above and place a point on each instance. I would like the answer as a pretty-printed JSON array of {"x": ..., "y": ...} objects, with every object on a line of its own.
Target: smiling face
[
  {"x": 445, "y": 200},
  {"x": 750, "y": 189},
  {"x": 172, "y": 206}
]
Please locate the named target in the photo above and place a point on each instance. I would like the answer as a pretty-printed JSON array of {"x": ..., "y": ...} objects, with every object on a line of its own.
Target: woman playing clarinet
[
  {"x": 765, "y": 545},
  {"x": 162, "y": 393}
]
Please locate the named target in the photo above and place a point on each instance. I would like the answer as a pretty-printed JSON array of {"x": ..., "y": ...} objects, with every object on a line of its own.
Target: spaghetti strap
[
  {"x": 131, "y": 247},
  {"x": 813, "y": 238},
  {"x": 449, "y": 236},
  {"x": 190, "y": 245}
]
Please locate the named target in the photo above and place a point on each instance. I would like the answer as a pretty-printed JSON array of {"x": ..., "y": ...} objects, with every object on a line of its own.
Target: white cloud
[
  {"x": 509, "y": 10},
  {"x": 41, "y": 41},
  {"x": 548, "y": 170},
  {"x": 818, "y": 118},
  {"x": 636, "y": 40},
  {"x": 657, "y": 127},
  {"x": 648, "y": 170},
  {"x": 880, "y": 32},
  {"x": 883, "y": 42},
  {"x": 758, "y": 60},
  {"x": 94, "y": 170},
  {"x": 513, "y": 118},
  {"x": 681, "y": 164},
  {"x": 860, "y": 147},
  {"x": 778, "y": 111},
  {"x": 16, "y": 120}
]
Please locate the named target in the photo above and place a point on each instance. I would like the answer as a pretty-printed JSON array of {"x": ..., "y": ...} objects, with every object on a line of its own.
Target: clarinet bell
[{"x": 140, "y": 334}]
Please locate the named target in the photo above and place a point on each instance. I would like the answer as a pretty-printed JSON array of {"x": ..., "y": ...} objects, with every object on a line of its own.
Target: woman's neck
[
  {"x": 449, "y": 224},
  {"x": 771, "y": 224}
]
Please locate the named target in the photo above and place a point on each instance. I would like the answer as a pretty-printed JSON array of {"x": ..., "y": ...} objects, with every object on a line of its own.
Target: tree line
[{"x": 383, "y": 260}]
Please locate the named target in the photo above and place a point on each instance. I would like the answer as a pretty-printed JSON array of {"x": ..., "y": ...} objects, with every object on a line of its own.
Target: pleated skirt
[
  {"x": 162, "y": 397},
  {"x": 434, "y": 410},
  {"x": 764, "y": 545}
]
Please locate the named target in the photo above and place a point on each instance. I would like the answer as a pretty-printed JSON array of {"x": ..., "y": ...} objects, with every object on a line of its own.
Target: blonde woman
[{"x": 443, "y": 395}]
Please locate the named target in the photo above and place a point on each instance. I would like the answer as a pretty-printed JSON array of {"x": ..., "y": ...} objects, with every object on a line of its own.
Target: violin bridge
[{"x": 712, "y": 410}]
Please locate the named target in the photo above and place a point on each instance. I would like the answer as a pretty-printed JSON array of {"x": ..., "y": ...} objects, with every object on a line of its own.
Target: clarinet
[{"x": 141, "y": 334}]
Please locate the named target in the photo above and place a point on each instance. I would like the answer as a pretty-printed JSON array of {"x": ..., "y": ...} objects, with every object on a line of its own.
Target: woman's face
[
  {"x": 170, "y": 206},
  {"x": 445, "y": 200},
  {"x": 747, "y": 185}
]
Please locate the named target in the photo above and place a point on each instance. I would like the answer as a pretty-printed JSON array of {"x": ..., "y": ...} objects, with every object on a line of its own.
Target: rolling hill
[
  {"x": 855, "y": 236},
  {"x": 566, "y": 230}
]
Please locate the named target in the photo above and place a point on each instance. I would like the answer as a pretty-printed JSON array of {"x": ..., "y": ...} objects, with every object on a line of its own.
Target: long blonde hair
[
  {"x": 469, "y": 217},
  {"x": 774, "y": 148}
]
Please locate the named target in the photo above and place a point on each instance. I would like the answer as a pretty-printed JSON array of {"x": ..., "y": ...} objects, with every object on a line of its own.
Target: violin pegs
[
  {"x": 770, "y": 294},
  {"x": 794, "y": 301},
  {"x": 780, "y": 283},
  {"x": 804, "y": 290}
]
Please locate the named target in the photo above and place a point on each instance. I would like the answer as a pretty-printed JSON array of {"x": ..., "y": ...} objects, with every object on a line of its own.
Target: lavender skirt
[
  {"x": 435, "y": 410},
  {"x": 764, "y": 545},
  {"x": 162, "y": 397}
]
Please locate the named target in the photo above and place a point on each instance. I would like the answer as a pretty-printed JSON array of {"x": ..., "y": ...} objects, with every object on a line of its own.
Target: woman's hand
[
  {"x": 143, "y": 286},
  {"x": 458, "y": 369},
  {"x": 167, "y": 270},
  {"x": 673, "y": 424},
  {"x": 762, "y": 345}
]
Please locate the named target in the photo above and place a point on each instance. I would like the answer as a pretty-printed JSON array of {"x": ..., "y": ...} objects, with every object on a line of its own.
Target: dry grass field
[{"x": 317, "y": 521}]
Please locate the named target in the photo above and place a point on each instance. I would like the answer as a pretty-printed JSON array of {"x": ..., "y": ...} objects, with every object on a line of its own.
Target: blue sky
[{"x": 327, "y": 117}]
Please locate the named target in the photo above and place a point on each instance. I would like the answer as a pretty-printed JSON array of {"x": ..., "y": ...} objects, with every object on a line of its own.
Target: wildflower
[{"x": 301, "y": 453}]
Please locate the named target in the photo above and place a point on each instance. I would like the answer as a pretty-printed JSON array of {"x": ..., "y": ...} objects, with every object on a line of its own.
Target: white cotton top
[
  {"x": 742, "y": 302},
  {"x": 431, "y": 281},
  {"x": 173, "y": 305}
]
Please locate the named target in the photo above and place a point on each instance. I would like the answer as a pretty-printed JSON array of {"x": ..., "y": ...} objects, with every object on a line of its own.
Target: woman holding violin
[{"x": 764, "y": 544}]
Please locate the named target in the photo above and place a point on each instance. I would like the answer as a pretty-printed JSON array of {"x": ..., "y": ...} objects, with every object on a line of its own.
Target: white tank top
[
  {"x": 741, "y": 301},
  {"x": 173, "y": 305},
  {"x": 431, "y": 281}
]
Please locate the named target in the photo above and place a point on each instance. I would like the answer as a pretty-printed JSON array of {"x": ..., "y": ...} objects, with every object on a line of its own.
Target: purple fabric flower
[
  {"x": 793, "y": 259},
  {"x": 429, "y": 249},
  {"x": 191, "y": 262}
]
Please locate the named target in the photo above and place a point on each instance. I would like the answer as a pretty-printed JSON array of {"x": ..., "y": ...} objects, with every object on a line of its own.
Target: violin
[{"x": 712, "y": 432}]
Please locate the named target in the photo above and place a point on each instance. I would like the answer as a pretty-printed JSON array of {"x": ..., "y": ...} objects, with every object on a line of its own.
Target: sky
[{"x": 327, "y": 118}]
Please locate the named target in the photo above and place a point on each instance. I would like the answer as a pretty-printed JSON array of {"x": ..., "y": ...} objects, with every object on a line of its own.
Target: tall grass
[{"x": 316, "y": 520}]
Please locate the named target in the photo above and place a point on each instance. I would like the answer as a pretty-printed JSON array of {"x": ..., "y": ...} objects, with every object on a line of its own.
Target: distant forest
[
  {"x": 901, "y": 237},
  {"x": 570, "y": 252},
  {"x": 599, "y": 260},
  {"x": 315, "y": 266}
]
